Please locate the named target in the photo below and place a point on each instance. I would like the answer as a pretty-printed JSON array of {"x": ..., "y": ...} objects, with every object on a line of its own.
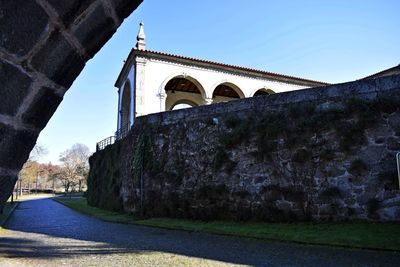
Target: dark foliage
[
  {"x": 104, "y": 181},
  {"x": 358, "y": 167},
  {"x": 301, "y": 156},
  {"x": 331, "y": 193},
  {"x": 372, "y": 206}
]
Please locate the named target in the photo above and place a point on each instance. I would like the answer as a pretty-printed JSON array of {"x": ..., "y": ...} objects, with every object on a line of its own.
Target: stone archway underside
[{"x": 44, "y": 45}]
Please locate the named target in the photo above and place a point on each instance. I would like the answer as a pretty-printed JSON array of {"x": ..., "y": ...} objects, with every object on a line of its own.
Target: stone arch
[
  {"x": 226, "y": 91},
  {"x": 40, "y": 61},
  {"x": 125, "y": 111},
  {"x": 183, "y": 88},
  {"x": 262, "y": 91},
  {"x": 184, "y": 101}
]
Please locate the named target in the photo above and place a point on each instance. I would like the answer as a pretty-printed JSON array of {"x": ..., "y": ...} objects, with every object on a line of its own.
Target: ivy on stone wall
[
  {"x": 144, "y": 154},
  {"x": 296, "y": 126},
  {"x": 104, "y": 181},
  {"x": 294, "y": 163}
]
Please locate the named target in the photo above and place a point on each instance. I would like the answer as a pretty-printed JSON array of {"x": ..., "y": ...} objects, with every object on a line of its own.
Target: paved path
[{"x": 45, "y": 233}]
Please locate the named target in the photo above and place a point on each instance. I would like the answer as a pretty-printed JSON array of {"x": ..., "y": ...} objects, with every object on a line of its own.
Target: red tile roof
[{"x": 268, "y": 74}]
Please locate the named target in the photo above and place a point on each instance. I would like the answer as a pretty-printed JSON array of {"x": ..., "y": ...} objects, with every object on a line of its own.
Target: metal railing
[
  {"x": 121, "y": 133},
  {"x": 105, "y": 142}
]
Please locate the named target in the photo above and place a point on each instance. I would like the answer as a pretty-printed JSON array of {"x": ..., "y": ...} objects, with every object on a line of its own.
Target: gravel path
[{"x": 45, "y": 233}]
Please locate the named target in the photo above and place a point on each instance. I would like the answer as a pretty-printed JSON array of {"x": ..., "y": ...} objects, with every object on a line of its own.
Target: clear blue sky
[{"x": 327, "y": 40}]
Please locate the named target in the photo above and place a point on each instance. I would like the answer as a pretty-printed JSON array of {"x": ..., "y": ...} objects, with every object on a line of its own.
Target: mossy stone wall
[{"x": 316, "y": 154}]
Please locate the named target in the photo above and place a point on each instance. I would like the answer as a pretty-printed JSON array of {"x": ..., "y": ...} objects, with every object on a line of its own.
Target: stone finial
[{"x": 141, "y": 43}]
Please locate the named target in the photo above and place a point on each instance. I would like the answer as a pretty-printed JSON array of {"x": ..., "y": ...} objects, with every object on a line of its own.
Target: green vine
[{"x": 142, "y": 155}]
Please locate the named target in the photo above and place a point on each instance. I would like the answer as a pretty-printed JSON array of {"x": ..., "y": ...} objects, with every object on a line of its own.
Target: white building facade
[{"x": 152, "y": 82}]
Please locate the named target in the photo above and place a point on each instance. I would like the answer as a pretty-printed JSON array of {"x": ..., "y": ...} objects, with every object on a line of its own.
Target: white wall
[{"x": 152, "y": 75}]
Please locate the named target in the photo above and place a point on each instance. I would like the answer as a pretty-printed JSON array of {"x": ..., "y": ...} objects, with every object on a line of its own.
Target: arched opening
[
  {"x": 183, "y": 92},
  {"x": 263, "y": 92},
  {"x": 226, "y": 92},
  {"x": 60, "y": 61},
  {"x": 125, "y": 112},
  {"x": 181, "y": 104}
]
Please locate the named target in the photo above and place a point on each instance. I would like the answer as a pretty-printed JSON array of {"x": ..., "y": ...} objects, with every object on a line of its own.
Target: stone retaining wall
[{"x": 317, "y": 154}]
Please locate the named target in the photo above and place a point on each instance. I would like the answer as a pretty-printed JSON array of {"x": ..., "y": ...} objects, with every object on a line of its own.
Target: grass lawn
[{"x": 384, "y": 236}]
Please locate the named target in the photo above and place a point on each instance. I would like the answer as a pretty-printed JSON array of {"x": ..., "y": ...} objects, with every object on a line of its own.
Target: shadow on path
[{"x": 46, "y": 229}]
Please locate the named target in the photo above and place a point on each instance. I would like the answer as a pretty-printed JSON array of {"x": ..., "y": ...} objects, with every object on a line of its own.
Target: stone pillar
[
  {"x": 208, "y": 101},
  {"x": 163, "y": 99},
  {"x": 119, "y": 109},
  {"x": 140, "y": 72}
]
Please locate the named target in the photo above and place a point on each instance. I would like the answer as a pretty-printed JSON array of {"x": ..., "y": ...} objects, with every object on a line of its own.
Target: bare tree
[
  {"x": 31, "y": 169},
  {"x": 74, "y": 167},
  {"x": 37, "y": 152}
]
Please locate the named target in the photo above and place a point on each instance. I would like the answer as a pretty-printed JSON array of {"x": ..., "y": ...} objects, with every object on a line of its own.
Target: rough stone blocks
[
  {"x": 21, "y": 24},
  {"x": 43, "y": 45},
  {"x": 42, "y": 107},
  {"x": 95, "y": 30},
  {"x": 15, "y": 146},
  {"x": 6, "y": 184},
  {"x": 14, "y": 87},
  {"x": 69, "y": 10},
  {"x": 58, "y": 60},
  {"x": 124, "y": 8}
]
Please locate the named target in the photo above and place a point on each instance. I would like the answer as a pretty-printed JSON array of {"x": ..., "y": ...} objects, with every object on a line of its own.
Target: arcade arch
[
  {"x": 226, "y": 92},
  {"x": 263, "y": 92},
  {"x": 184, "y": 103},
  {"x": 183, "y": 90}
]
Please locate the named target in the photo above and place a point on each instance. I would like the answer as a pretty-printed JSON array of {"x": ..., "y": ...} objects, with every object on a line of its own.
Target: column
[{"x": 208, "y": 101}]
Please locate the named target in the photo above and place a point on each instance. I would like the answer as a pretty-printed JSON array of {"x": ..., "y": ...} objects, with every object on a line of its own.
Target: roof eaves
[
  {"x": 233, "y": 67},
  {"x": 125, "y": 67}
]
